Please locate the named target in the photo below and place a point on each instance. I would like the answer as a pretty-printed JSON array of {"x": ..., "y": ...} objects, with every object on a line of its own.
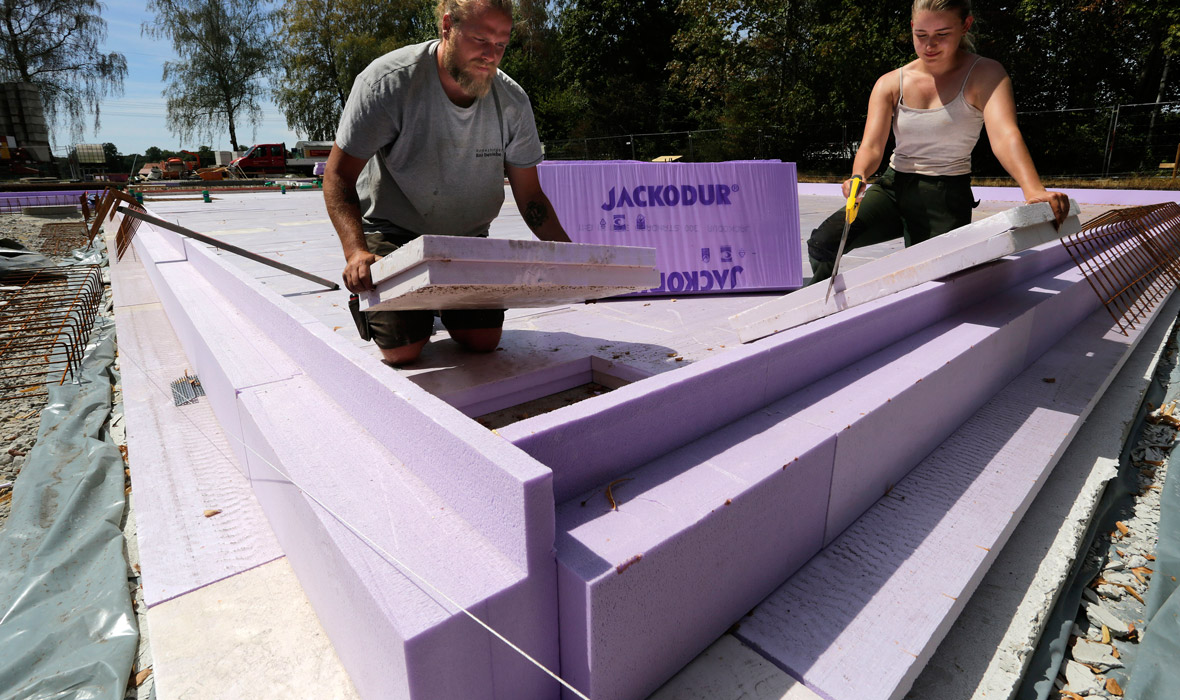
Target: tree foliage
[
  {"x": 55, "y": 45},
  {"x": 614, "y": 63},
  {"x": 793, "y": 76},
  {"x": 223, "y": 49},
  {"x": 779, "y": 63},
  {"x": 324, "y": 44}
]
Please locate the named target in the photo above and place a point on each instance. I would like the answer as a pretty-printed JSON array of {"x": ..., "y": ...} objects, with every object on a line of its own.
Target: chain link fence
[{"x": 1092, "y": 143}]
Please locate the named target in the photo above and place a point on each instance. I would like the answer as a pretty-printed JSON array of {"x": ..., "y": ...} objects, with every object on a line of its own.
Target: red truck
[{"x": 275, "y": 158}]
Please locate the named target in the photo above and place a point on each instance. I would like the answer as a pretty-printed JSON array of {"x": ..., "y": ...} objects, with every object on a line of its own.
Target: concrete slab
[
  {"x": 250, "y": 636},
  {"x": 452, "y": 272}
]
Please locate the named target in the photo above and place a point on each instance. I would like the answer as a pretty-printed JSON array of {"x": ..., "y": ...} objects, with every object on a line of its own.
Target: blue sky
[{"x": 136, "y": 120}]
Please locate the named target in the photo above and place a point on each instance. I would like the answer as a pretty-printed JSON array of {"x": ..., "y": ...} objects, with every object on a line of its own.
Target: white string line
[{"x": 389, "y": 558}]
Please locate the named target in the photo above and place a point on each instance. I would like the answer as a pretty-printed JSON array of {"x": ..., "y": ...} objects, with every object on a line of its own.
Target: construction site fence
[{"x": 1125, "y": 140}]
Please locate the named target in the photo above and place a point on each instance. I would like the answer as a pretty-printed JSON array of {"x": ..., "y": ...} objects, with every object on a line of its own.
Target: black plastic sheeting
[
  {"x": 1153, "y": 672},
  {"x": 67, "y": 629}
]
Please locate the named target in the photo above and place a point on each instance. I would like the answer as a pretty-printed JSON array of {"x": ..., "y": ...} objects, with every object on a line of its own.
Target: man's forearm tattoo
[{"x": 536, "y": 214}]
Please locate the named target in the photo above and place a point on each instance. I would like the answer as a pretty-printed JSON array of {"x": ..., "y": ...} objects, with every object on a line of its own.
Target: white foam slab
[
  {"x": 452, "y": 272},
  {"x": 1008, "y": 232}
]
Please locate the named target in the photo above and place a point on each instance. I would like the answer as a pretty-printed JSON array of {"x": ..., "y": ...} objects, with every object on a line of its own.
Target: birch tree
[
  {"x": 324, "y": 44},
  {"x": 56, "y": 45},
  {"x": 223, "y": 49}
]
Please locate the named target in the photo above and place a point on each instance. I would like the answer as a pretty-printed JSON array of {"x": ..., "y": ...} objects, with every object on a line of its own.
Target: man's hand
[{"x": 357, "y": 276}]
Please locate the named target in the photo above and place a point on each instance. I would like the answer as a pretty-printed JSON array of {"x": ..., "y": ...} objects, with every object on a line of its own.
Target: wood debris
[
  {"x": 138, "y": 679},
  {"x": 610, "y": 497},
  {"x": 627, "y": 564}
]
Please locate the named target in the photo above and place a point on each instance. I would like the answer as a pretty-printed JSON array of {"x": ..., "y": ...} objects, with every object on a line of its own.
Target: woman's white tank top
[{"x": 935, "y": 141}]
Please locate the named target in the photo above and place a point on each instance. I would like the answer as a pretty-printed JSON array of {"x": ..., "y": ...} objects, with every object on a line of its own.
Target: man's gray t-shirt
[{"x": 434, "y": 167}]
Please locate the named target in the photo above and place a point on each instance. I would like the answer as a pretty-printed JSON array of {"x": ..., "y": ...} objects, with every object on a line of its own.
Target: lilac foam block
[{"x": 654, "y": 567}]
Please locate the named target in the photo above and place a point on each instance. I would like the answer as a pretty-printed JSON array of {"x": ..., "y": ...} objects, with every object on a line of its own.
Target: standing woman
[{"x": 937, "y": 105}]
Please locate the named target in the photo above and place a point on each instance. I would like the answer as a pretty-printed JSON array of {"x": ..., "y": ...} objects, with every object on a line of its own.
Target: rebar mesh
[
  {"x": 60, "y": 239},
  {"x": 45, "y": 319},
  {"x": 1131, "y": 258},
  {"x": 102, "y": 209},
  {"x": 127, "y": 228},
  {"x": 128, "y": 225}
]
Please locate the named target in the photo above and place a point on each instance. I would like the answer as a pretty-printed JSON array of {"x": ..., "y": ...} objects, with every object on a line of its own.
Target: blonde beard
[{"x": 472, "y": 85}]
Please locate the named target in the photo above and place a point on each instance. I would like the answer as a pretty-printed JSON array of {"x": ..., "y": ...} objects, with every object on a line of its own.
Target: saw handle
[{"x": 853, "y": 204}]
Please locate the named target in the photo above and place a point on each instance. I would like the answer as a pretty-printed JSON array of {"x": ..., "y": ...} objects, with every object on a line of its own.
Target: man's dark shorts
[{"x": 393, "y": 329}]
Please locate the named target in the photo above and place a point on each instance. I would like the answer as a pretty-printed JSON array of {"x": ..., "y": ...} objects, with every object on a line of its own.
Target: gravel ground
[
  {"x": 1106, "y": 633},
  {"x": 20, "y": 418}
]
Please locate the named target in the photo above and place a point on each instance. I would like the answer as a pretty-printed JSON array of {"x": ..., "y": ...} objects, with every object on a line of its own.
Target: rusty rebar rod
[
  {"x": 46, "y": 315},
  {"x": 1131, "y": 259}
]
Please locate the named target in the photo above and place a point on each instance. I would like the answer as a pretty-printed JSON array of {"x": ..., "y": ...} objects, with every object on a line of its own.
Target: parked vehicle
[{"x": 276, "y": 159}]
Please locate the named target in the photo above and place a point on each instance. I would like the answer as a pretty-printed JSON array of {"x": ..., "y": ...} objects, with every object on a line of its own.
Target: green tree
[
  {"x": 533, "y": 59},
  {"x": 615, "y": 58},
  {"x": 54, "y": 44},
  {"x": 324, "y": 44},
  {"x": 224, "y": 49},
  {"x": 153, "y": 154},
  {"x": 788, "y": 79},
  {"x": 111, "y": 152}
]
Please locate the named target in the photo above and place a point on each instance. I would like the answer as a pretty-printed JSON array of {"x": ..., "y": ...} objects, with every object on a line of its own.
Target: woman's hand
[
  {"x": 846, "y": 188},
  {"x": 1059, "y": 201}
]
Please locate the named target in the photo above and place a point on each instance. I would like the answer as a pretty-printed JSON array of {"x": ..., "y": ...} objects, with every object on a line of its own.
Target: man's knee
[
  {"x": 477, "y": 339},
  {"x": 403, "y": 354}
]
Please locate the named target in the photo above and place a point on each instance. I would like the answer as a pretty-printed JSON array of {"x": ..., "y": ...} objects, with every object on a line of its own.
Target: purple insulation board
[{"x": 716, "y": 227}]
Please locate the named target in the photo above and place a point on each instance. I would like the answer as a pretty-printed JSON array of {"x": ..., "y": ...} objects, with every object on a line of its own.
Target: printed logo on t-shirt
[{"x": 489, "y": 153}]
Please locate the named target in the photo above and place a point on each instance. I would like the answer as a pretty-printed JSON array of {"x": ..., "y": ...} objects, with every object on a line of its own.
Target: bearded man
[{"x": 426, "y": 138}]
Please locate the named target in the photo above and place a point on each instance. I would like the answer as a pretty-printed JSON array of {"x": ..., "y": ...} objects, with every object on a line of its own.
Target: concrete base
[{"x": 250, "y": 636}]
